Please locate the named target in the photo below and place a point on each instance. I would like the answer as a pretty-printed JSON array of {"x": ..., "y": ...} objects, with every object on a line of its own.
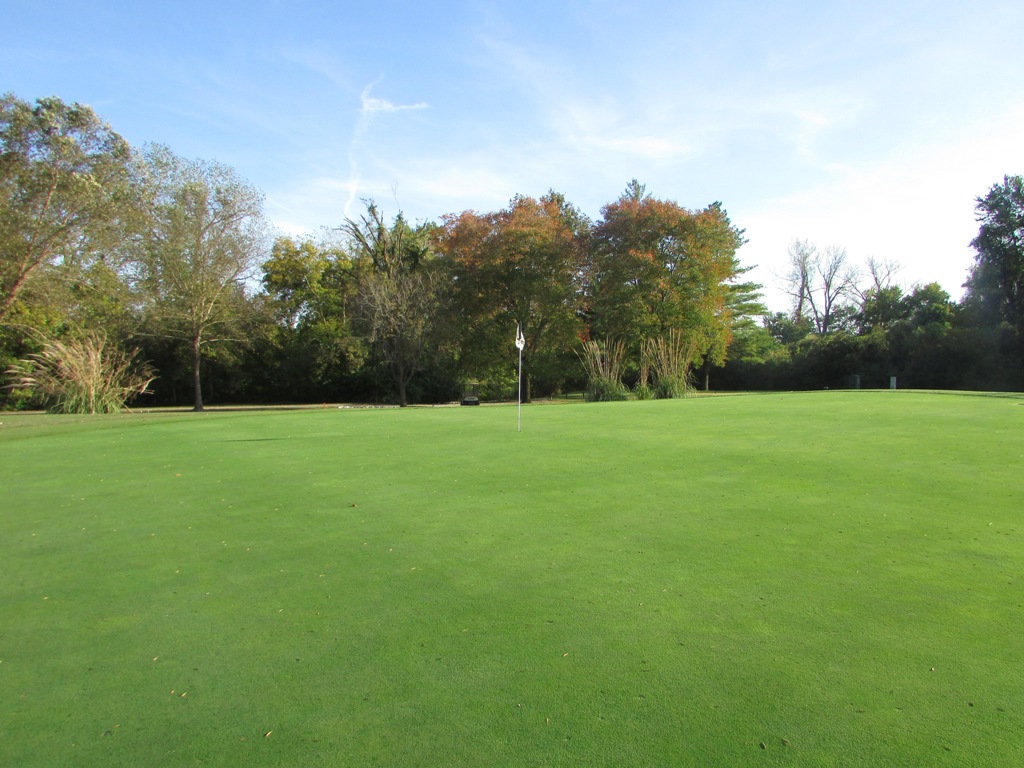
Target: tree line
[
  {"x": 137, "y": 275},
  {"x": 853, "y": 325}
]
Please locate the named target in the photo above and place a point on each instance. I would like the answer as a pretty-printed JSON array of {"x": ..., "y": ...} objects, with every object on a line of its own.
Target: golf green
[{"x": 815, "y": 579}]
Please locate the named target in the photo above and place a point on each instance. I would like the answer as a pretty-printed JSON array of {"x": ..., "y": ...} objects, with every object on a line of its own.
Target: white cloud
[
  {"x": 649, "y": 147},
  {"x": 371, "y": 104},
  {"x": 306, "y": 205},
  {"x": 370, "y": 107},
  {"x": 608, "y": 130},
  {"x": 455, "y": 187}
]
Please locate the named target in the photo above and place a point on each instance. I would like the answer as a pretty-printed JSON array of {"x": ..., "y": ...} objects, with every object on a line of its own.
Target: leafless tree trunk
[
  {"x": 836, "y": 279},
  {"x": 817, "y": 282},
  {"x": 881, "y": 273},
  {"x": 803, "y": 257}
]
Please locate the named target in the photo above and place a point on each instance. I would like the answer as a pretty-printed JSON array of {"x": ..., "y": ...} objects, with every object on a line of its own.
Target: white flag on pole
[{"x": 520, "y": 343}]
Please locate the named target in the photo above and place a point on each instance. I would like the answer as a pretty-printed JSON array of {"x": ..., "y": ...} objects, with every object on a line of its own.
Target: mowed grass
[{"x": 820, "y": 579}]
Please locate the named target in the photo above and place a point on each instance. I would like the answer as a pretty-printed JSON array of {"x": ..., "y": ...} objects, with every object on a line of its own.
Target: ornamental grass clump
[
  {"x": 88, "y": 374},
  {"x": 643, "y": 389},
  {"x": 604, "y": 364},
  {"x": 671, "y": 357}
]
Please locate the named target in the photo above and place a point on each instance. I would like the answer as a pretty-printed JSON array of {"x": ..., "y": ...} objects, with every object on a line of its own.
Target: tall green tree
[
  {"x": 63, "y": 187},
  {"x": 881, "y": 308},
  {"x": 399, "y": 296},
  {"x": 737, "y": 320},
  {"x": 314, "y": 289},
  {"x": 929, "y": 305},
  {"x": 996, "y": 282},
  {"x": 202, "y": 239}
]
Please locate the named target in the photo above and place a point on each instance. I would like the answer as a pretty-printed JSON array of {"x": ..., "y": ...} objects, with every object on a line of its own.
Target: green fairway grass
[{"x": 816, "y": 579}]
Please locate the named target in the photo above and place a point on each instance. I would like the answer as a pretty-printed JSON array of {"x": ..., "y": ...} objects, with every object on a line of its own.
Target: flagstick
[
  {"x": 520, "y": 427},
  {"x": 520, "y": 343}
]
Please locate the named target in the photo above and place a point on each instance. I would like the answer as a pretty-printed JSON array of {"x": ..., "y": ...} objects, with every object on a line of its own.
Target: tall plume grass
[
  {"x": 643, "y": 389},
  {"x": 671, "y": 357},
  {"x": 88, "y": 374},
  {"x": 604, "y": 364}
]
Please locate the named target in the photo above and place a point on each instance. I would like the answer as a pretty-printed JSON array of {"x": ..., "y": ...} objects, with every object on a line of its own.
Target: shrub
[
  {"x": 671, "y": 388},
  {"x": 643, "y": 391},
  {"x": 605, "y": 390},
  {"x": 81, "y": 375},
  {"x": 499, "y": 386}
]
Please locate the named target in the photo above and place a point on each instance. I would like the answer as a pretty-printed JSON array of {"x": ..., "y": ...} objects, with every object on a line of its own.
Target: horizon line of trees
[
  {"x": 138, "y": 274},
  {"x": 851, "y": 326}
]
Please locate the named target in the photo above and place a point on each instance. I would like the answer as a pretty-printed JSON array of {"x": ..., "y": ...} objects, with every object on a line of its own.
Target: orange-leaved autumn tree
[
  {"x": 657, "y": 268},
  {"x": 520, "y": 265}
]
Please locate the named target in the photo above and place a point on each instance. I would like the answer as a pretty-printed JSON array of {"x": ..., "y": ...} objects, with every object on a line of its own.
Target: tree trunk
[
  {"x": 525, "y": 374},
  {"x": 197, "y": 386},
  {"x": 401, "y": 379}
]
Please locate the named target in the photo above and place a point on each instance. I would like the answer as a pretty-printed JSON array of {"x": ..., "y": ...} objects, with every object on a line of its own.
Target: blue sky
[{"x": 870, "y": 125}]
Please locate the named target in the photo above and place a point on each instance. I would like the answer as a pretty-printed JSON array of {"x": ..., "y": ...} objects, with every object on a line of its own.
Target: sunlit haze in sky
[{"x": 871, "y": 125}]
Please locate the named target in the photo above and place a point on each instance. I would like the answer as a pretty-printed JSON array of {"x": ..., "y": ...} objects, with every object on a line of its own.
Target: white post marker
[{"x": 520, "y": 343}]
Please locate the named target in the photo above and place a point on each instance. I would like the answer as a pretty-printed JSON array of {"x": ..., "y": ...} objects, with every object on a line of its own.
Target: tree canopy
[
  {"x": 149, "y": 251},
  {"x": 519, "y": 267},
  {"x": 201, "y": 239},
  {"x": 996, "y": 282},
  {"x": 656, "y": 267},
  {"x": 63, "y": 181}
]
